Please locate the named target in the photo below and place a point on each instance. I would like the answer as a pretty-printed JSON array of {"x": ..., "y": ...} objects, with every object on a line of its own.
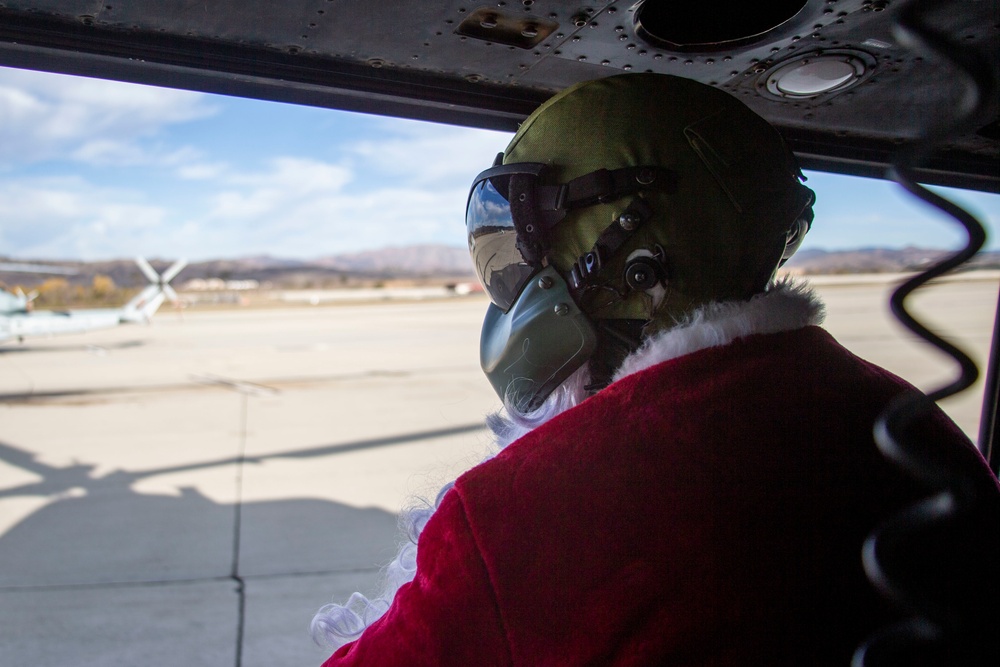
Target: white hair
[{"x": 337, "y": 624}]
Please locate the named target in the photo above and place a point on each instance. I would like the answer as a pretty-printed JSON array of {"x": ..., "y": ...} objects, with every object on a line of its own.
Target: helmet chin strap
[
  {"x": 616, "y": 339},
  {"x": 645, "y": 271}
]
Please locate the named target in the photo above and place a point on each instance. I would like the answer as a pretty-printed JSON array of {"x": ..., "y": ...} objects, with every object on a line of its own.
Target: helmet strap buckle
[
  {"x": 585, "y": 268},
  {"x": 611, "y": 239}
]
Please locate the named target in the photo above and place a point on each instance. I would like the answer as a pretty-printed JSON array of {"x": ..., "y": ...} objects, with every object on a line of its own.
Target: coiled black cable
[{"x": 906, "y": 551}]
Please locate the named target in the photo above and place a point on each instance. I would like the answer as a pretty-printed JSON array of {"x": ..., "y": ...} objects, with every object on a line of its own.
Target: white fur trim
[{"x": 785, "y": 307}]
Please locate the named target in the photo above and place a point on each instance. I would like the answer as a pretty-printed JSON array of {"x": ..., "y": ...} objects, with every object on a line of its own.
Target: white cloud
[
  {"x": 360, "y": 183},
  {"x": 202, "y": 171},
  {"x": 401, "y": 182},
  {"x": 286, "y": 186},
  {"x": 114, "y": 152},
  {"x": 409, "y": 186},
  {"x": 295, "y": 208},
  {"x": 424, "y": 153},
  {"x": 17, "y": 106},
  {"x": 107, "y": 151},
  {"x": 296, "y": 175},
  {"x": 50, "y": 115},
  {"x": 71, "y": 218}
]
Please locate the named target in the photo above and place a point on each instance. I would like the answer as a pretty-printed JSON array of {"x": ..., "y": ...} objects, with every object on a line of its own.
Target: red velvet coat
[{"x": 709, "y": 510}]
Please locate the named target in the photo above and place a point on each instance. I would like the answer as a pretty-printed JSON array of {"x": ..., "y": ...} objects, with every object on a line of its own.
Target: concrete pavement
[{"x": 189, "y": 493}]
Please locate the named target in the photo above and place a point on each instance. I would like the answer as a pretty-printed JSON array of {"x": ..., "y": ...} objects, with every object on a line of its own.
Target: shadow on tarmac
[
  {"x": 95, "y": 542},
  {"x": 58, "y": 480}
]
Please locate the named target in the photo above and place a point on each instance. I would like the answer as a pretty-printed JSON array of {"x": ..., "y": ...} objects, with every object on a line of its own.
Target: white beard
[{"x": 785, "y": 307}]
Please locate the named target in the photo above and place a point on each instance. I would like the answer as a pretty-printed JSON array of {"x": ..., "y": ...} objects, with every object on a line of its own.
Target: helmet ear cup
[{"x": 644, "y": 272}]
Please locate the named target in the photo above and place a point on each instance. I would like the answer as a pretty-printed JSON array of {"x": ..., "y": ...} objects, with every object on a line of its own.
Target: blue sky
[{"x": 94, "y": 169}]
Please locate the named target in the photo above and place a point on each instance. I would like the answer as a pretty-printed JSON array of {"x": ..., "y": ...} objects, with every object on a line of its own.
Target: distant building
[{"x": 219, "y": 285}]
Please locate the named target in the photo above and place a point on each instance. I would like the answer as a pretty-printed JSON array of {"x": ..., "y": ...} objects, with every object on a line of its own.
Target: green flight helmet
[{"x": 725, "y": 209}]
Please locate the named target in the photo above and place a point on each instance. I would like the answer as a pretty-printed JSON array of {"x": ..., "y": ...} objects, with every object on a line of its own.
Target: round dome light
[{"x": 816, "y": 75}]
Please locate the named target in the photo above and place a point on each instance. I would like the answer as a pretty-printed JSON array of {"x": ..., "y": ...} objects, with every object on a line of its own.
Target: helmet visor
[{"x": 493, "y": 243}]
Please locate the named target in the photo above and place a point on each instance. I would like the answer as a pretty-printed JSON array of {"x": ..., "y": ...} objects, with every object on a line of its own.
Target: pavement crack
[
  {"x": 245, "y": 392},
  {"x": 112, "y": 584},
  {"x": 240, "y": 617}
]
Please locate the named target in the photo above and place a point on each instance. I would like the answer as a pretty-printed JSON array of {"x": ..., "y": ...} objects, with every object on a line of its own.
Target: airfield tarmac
[{"x": 190, "y": 492}]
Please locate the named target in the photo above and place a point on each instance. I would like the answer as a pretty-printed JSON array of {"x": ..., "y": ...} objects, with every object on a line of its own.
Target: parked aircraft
[
  {"x": 15, "y": 302},
  {"x": 18, "y": 320}
]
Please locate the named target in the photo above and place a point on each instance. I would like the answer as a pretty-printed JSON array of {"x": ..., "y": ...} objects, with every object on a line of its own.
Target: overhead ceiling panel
[{"x": 488, "y": 64}]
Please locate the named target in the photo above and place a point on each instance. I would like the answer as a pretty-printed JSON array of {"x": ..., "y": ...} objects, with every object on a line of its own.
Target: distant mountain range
[
  {"x": 422, "y": 263},
  {"x": 435, "y": 264},
  {"x": 879, "y": 260}
]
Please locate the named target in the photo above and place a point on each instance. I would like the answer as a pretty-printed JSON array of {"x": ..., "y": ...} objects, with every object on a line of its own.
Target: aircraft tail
[{"x": 148, "y": 301}]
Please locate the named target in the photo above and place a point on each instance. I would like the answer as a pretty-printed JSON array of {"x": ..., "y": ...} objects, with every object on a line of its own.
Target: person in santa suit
[{"x": 685, "y": 470}]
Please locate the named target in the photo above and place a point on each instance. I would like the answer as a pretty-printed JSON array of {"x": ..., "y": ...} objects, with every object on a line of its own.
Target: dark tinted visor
[{"x": 499, "y": 262}]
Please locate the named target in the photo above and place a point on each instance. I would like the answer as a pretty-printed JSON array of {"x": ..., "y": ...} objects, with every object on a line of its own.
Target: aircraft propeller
[
  {"x": 162, "y": 280},
  {"x": 28, "y": 298}
]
